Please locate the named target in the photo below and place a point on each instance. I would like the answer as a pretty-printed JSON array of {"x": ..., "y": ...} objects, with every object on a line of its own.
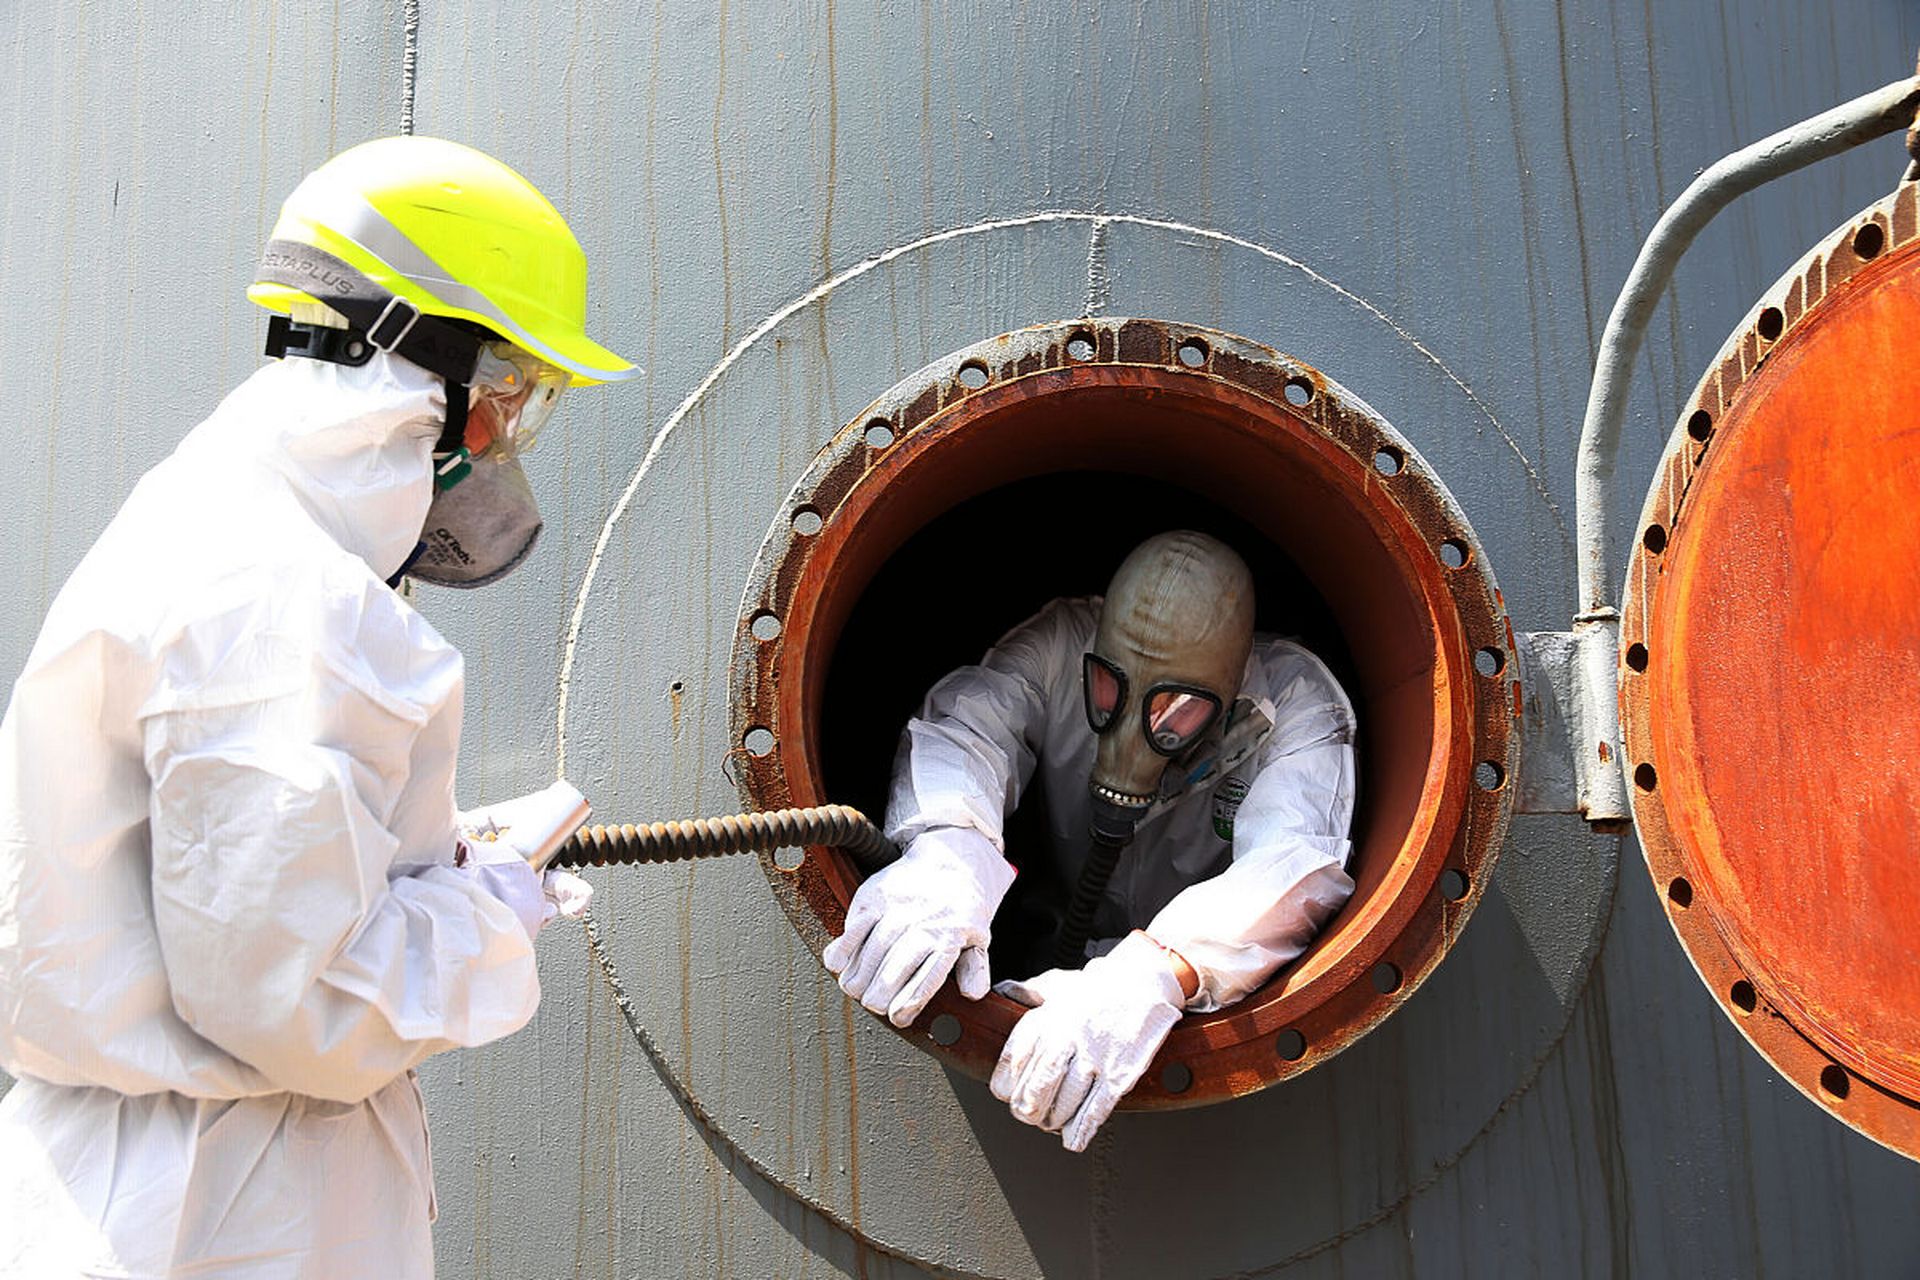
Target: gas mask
[
  {"x": 1166, "y": 664},
  {"x": 1167, "y": 658}
]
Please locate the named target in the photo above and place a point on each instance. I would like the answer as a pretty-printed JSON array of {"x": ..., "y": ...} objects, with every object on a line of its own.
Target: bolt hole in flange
[{"x": 1118, "y": 429}]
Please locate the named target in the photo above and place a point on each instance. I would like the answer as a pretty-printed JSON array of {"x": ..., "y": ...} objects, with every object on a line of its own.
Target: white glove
[
  {"x": 510, "y": 879},
  {"x": 1089, "y": 1037},
  {"x": 911, "y": 922},
  {"x": 496, "y": 842}
]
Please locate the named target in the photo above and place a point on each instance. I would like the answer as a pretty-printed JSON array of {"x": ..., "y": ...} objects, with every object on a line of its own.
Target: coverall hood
[
  {"x": 1178, "y": 616},
  {"x": 355, "y": 445}
]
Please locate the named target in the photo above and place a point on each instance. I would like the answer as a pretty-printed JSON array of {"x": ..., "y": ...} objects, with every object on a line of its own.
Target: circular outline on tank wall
[
  {"x": 663, "y": 1066},
  {"x": 1815, "y": 1059},
  {"x": 809, "y": 581}
]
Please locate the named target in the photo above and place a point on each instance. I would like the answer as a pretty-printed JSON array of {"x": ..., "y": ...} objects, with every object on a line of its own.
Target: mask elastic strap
[
  {"x": 419, "y": 549},
  {"x": 451, "y": 461}
]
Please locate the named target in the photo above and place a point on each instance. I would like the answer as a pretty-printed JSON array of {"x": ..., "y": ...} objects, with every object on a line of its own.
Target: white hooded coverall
[
  {"x": 229, "y": 923},
  {"x": 1237, "y": 875}
]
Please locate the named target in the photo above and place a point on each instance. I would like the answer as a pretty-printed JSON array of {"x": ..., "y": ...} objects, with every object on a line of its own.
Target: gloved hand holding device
[
  {"x": 1089, "y": 1037},
  {"x": 506, "y": 847},
  {"x": 912, "y": 922}
]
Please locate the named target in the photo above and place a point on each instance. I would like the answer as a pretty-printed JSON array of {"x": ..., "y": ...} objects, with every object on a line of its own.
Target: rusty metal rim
[
  {"x": 1292, "y": 1024},
  {"x": 1840, "y": 1080}
]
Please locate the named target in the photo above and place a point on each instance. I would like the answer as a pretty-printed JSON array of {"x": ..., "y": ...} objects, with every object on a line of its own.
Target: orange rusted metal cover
[{"x": 1771, "y": 676}]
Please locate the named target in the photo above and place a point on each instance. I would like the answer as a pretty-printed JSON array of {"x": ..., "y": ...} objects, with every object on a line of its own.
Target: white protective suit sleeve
[
  {"x": 286, "y": 942},
  {"x": 1290, "y": 845},
  {"x": 965, "y": 760}
]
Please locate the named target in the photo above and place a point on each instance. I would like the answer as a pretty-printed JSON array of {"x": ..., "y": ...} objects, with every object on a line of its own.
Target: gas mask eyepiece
[{"x": 1173, "y": 717}]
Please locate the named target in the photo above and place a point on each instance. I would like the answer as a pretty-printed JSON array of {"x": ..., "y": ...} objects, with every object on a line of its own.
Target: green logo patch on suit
[{"x": 1226, "y": 802}]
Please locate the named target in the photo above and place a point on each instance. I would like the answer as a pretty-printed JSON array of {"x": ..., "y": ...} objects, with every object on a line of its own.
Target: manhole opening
[{"x": 1032, "y": 488}]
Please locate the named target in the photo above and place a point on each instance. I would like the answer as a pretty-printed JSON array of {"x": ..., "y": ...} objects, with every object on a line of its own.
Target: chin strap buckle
[{"x": 398, "y": 311}]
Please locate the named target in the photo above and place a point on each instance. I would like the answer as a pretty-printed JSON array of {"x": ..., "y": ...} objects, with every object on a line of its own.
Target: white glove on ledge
[
  {"x": 911, "y": 923},
  {"x": 1090, "y": 1036}
]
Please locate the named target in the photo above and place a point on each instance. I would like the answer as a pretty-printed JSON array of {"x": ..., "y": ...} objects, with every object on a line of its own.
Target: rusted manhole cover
[
  {"x": 1321, "y": 476},
  {"x": 1770, "y": 665}
]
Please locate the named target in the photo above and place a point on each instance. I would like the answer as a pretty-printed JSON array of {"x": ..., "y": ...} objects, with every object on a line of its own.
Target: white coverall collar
[{"x": 355, "y": 445}]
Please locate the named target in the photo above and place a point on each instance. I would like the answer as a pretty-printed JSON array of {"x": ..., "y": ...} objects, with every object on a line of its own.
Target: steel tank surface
[{"x": 791, "y": 210}]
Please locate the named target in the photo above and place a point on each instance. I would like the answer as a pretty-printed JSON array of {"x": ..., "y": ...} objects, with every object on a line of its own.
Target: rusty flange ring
[
  {"x": 1768, "y": 670},
  {"x": 1363, "y": 515}
]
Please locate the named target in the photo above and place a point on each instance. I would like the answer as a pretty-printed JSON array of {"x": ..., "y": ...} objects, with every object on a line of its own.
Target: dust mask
[{"x": 480, "y": 528}]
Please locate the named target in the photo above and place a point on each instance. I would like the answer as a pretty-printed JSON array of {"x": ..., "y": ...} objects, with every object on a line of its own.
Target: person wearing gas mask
[
  {"x": 236, "y": 903},
  {"x": 1198, "y": 782}
]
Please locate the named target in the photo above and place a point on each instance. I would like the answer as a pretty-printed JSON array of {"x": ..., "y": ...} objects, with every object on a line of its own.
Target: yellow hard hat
[{"x": 402, "y": 227}]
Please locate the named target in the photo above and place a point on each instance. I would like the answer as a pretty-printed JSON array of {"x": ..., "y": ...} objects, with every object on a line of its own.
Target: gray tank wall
[{"x": 1473, "y": 179}]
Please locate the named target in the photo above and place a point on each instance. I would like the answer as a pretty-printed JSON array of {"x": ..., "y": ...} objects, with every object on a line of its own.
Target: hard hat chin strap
[
  {"x": 377, "y": 321},
  {"x": 385, "y": 320}
]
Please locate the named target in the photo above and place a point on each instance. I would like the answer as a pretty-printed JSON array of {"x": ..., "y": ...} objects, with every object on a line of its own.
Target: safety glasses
[
  {"x": 1174, "y": 715},
  {"x": 511, "y": 397}
]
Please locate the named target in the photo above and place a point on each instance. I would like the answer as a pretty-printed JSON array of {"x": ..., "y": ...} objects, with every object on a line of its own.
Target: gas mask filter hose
[{"x": 1111, "y": 826}]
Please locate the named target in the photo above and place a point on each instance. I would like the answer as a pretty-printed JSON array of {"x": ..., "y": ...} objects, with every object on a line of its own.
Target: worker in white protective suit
[
  {"x": 1199, "y": 785},
  {"x": 236, "y": 904}
]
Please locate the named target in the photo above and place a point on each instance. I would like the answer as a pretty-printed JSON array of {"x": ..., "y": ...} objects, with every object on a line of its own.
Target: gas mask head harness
[{"x": 482, "y": 522}]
